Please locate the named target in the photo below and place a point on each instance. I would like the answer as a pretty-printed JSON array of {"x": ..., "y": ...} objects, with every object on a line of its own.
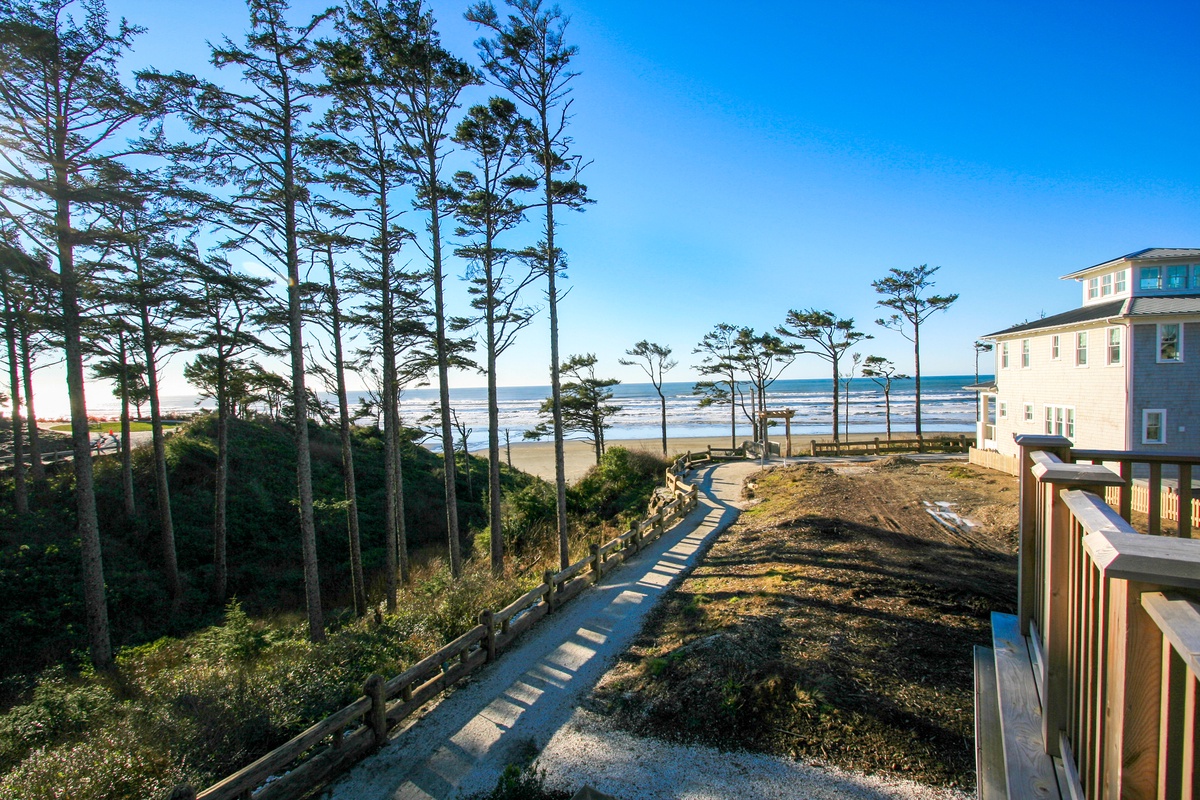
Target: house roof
[
  {"x": 1164, "y": 304},
  {"x": 1146, "y": 254},
  {"x": 982, "y": 386},
  {"x": 1073, "y": 317}
]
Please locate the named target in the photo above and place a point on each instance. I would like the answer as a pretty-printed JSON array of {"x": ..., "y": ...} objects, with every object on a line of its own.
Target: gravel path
[{"x": 527, "y": 701}]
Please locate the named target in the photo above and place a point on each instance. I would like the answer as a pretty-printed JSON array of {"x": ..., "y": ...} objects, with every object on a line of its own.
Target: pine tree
[
  {"x": 529, "y": 57},
  {"x": 253, "y": 141},
  {"x": 62, "y": 108},
  {"x": 655, "y": 360},
  {"x": 824, "y": 335}
]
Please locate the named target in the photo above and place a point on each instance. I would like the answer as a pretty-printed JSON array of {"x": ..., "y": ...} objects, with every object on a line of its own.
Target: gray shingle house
[{"x": 1121, "y": 372}]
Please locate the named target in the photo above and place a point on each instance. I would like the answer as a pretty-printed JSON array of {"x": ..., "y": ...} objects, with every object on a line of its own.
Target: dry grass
[{"x": 833, "y": 621}]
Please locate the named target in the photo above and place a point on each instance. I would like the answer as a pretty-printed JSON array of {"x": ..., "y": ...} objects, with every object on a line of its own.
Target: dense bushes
[
  {"x": 618, "y": 488},
  {"x": 41, "y": 604}
]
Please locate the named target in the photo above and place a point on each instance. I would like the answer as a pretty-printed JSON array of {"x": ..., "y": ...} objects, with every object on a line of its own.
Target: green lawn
[{"x": 115, "y": 427}]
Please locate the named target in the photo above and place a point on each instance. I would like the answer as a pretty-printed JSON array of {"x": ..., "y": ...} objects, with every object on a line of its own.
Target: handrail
[
  {"x": 371, "y": 716},
  {"x": 1112, "y": 652}
]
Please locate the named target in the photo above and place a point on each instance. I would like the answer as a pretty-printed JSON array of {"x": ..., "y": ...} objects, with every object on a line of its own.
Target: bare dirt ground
[{"x": 833, "y": 622}]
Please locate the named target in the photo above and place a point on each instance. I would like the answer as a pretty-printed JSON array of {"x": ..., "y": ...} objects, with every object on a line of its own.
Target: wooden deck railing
[
  {"x": 1114, "y": 633},
  {"x": 361, "y": 727},
  {"x": 1156, "y": 499}
]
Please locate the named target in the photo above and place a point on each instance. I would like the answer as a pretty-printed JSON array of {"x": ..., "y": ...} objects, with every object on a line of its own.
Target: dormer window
[
  {"x": 1177, "y": 277},
  {"x": 1150, "y": 278},
  {"x": 1106, "y": 285},
  {"x": 1120, "y": 284},
  {"x": 1093, "y": 288}
]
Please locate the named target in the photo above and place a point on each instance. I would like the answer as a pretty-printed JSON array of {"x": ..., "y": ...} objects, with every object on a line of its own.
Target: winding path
[{"x": 518, "y": 703}]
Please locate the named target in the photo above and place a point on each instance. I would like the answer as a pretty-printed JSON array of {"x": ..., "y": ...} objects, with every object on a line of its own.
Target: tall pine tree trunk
[
  {"x": 87, "y": 523},
  {"x": 220, "y": 490},
  {"x": 917, "y": 376},
  {"x": 356, "y": 571},
  {"x": 20, "y": 492},
  {"x": 495, "y": 521},
  {"x": 662, "y": 399},
  {"x": 126, "y": 444},
  {"x": 162, "y": 488},
  {"x": 836, "y": 397},
  {"x": 36, "y": 469},
  {"x": 560, "y": 463}
]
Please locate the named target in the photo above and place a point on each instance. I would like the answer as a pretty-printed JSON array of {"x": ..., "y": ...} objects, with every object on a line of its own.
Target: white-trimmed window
[
  {"x": 1154, "y": 426},
  {"x": 1004, "y": 355},
  {"x": 1054, "y": 351},
  {"x": 1170, "y": 343},
  {"x": 1150, "y": 278},
  {"x": 1119, "y": 286},
  {"x": 1025, "y": 354},
  {"x": 1113, "y": 346},
  {"x": 1093, "y": 288},
  {"x": 1177, "y": 277},
  {"x": 1060, "y": 421},
  {"x": 1106, "y": 285},
  {"x": 1029, "y": 412},
  {"x": 1004, "y": 411},
  {"x": 1081, "y": 349}
]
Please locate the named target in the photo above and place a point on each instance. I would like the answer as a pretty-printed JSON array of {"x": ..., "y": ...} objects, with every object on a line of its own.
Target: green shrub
[{"x": 619, "y": 488}]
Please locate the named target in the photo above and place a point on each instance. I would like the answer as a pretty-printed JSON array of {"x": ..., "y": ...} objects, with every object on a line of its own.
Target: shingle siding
[{"x": 1171, "y": 386}]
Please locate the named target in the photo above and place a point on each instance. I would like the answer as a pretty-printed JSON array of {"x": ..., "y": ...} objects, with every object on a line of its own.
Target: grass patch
[{"x": 115, "y": 427}]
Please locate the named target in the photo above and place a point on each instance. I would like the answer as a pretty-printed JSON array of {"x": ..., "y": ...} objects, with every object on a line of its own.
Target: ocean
[{"x": 946, "y": 406}]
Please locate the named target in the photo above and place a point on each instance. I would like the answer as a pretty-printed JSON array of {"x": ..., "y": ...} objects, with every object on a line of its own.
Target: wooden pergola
[{"x": 784, "y": 414}]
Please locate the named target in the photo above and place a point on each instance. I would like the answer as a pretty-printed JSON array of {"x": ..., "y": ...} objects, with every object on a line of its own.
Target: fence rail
[
  {"x": 1112, "y": 623},
  {"x": 352, "y": 732},
  {"x": 878, "y": 446}
]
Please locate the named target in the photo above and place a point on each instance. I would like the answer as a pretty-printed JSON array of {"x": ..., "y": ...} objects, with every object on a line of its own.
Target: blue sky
[{"x": 752, "y": 158}]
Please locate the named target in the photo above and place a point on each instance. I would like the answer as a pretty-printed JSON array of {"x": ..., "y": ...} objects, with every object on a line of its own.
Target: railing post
[
  {"x": 182, "y": 792},
  {"x": 548, "y": 579},
  {"x": 377, "y": 713},
  {"x": 597, "y": 562},
  {"x": 1056, "y": 576},
  {"x": 1133, "y": 693},
  {"x": 486, "y": 620},
  {"x": 1026, "y": 556}
]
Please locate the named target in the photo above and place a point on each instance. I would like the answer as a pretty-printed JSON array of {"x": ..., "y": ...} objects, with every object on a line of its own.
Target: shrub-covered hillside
[{"x": 41, "y": 603}]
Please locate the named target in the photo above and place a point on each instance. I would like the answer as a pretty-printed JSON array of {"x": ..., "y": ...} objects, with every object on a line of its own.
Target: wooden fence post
[
  {"x": 377, "y": 713},
  {"x": 597, "y": 562},
  {"x": 548, "y": 579},
  {"x": 485, "y": 619}
]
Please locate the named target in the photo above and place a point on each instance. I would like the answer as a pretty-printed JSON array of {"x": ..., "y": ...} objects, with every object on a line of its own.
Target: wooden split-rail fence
[
  {"x": 297, "y": 767},
  {"x": 1091, "y": 689},
  {"x": 877, "y": 446}
]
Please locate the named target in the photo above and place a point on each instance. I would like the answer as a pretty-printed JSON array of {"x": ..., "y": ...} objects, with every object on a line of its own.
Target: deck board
[
  {"x": 989, "y": 743},
  {"x": 1028, "y": 769}
]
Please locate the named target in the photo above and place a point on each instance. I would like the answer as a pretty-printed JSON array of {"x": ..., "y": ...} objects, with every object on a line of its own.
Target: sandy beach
[{"x": 537, "y": 458}]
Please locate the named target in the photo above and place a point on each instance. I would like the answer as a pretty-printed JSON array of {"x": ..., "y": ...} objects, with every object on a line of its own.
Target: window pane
[
  {"x": 1081, "y": 349},
  {"x": 1054, "y": 347},
  {"x": 1024, "y": 352},
  {"x": 1177, "y": 277},
  {"x": 1168, "y": 342},
  {"x": 1120, "y": 287},
  {"x": 1049, "y": 420},
  {"x": 1153, "y": 430},
  {"x": 1070, "y": 423},
  {"x": 1114, "y": 345},
  {"x": 1151, "y": 278},
  {"x": 1106, "y": 285},
  {"x": 1196, "y": 276},
  {"x": 1093, "y": 287}
]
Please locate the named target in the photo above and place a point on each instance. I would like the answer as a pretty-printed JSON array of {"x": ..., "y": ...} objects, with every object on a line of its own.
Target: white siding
[{"x": 1097, "y": 392}]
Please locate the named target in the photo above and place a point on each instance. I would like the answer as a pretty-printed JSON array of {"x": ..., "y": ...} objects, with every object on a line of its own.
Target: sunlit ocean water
[{"x": 946, "y": 406}]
